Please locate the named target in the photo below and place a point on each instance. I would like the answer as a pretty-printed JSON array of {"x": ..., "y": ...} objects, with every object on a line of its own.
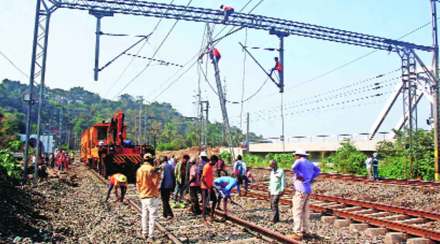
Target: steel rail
[
  {"x": 364, "y": 179},
  {"x": 162, "y": 229},
  {"x": 365, "y": 204},
  {"x": 264, "y": 231},
  {"x": 412, "y": 230}
]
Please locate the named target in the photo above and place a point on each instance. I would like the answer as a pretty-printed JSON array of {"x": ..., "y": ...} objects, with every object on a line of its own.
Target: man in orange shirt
[
  {"x": 147, "y": 185},
  {"x": 207, "y": 187}
]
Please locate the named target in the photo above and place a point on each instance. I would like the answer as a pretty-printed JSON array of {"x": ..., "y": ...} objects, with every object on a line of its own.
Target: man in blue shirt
[
  {"x": 224, "y": 186},
  {"x": 304, "y": 173},
  {"x": 166, "y": 187}
]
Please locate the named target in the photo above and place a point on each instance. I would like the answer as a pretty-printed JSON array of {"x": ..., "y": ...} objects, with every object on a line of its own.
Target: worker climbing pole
[{"x": 215, "y": 58}]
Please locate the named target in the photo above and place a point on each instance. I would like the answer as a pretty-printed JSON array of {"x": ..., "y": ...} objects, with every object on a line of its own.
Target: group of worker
[{"x": 206, "y": 177}]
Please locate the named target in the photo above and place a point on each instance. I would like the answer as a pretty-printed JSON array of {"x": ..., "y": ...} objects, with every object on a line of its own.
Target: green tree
[{"x": 348, "y": 159}]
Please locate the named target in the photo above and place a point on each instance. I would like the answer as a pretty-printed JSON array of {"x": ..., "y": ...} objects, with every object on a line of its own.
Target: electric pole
[
  {"x": 435, "y": 90},
  {"x": 141, "y": 103},
  {"x": 247, "y": 132},
  {"x": 221, "y": 95}
]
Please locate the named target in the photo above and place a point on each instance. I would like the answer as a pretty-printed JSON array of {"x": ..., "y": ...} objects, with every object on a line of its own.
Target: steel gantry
[{"x": 209, "y": 16}]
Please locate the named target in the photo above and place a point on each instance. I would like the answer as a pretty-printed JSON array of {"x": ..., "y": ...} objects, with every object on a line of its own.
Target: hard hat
[
  {"x": 203, "y": 154},
  {"x": 148, "y": 156},
  {"x": 121, "y": 178},
  {"x": 301, "y": 152}
]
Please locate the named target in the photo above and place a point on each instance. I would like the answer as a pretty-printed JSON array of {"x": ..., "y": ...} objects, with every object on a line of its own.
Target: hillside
[{"x": 67, "y": 113}]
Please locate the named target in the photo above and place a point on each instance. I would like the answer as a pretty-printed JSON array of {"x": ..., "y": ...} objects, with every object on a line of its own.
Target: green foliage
[
  {"x": 78, "y": 109},
  {"x": 396, "y": 157},
  {"x": 9, "y": 165},
  {"x": 14, "y": 145},
  {"x": 226, "y": 156},
  {"x": 347, "y": 159}
]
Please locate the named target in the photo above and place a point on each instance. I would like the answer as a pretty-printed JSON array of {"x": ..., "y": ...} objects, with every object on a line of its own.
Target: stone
[
  {"x": 395, "y": 238},
  {"x": 316, "y": 216},
  {"x": 357, "y": 227},
  {"x": 328, "y": 219},
  {"x": 341, "y": 223},
  {"x": 418, "y": 241},
  {"x": 373, "y": 232}
]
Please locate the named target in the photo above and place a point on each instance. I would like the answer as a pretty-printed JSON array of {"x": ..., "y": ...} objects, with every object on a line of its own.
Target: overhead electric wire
[
  {"x": 194, "y": 58},
  {"x": 14, "y": 65},
  {"x": 133, "y": 58},
  {"x": 339, "y": 89},
  {"x": 154, "y": 54},
  {"x": 324, "y": 74},
  {"x": 230, "y": 101}
]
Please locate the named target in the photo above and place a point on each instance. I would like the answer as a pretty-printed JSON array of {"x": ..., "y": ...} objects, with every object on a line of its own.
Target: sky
[{"x": 312, "y": 92}]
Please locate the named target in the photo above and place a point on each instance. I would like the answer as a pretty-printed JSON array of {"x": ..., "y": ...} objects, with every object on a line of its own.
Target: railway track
[
  {"x": 410, "y": 221},
  {"x": 364, "y": 179},
  {"x": 184, "y": 228}
]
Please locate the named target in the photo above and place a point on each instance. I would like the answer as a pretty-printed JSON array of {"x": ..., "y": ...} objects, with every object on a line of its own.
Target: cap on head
[
  {"x": 375, "y": 155},
  {"x": 148, "y": 156},
  {"x": 300, "y": 152},
  {"x": 121, "y": 178},
  {"x": 203, "y": 154}
]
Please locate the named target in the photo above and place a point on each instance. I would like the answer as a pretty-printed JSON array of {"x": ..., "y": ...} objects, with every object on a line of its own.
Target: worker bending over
[
  {"x": 118, "y": 181},
  {"x": 224, "y": 186}
]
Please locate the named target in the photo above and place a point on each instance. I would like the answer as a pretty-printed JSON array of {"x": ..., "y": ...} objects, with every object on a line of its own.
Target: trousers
[
  {"x": 300, "y": 211},
  {"x": 274, "y": 202},
  {"x": 148, "y": 214},
  {"x": 165, "y": 194}
]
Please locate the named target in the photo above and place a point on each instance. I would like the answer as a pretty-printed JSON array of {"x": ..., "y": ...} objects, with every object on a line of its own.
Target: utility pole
[
  {"x": 281, "y": 36},
  {"x": 435, "y": 90},
  {"x": 99, "y": 15},
  {"x": 247, "y": 132},
  {"x": 226, "y": 126},
  {"x": 204, "y": 111},
  {"x": 141, "y": 103}
]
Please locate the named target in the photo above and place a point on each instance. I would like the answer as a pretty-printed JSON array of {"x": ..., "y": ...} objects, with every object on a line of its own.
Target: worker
[
  {"x": 227, "y": 11},
  {"x": 304, "y": 173},
  {"x": 167, "y": 186},
  {"x": 194, "y": 187},
  {"x": 117, "y": 181},
  {"x": 239, "y": 170},
  {"x": 224, "y": 186},
  {"x": 278, "y": 67},
  {"x": 215, "y": 55},
  {"x": 207, "y": 187},
  {"x": 375, "y": 164},
  {"x": 147, "y": 185},
  {"x": 180, "y": 173},
  {"x": 276, "y": 189}
]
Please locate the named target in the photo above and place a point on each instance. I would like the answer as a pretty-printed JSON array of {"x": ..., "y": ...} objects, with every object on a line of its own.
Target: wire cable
[{"x": 14, "y": 65}]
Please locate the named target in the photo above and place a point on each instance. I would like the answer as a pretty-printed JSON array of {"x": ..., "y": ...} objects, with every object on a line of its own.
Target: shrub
[
  {"x": 347, "y": 159},
  {"x": 9, "y": 165}
]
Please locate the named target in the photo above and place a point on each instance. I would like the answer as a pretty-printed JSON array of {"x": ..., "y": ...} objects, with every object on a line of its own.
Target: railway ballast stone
[
  {"x": 358, "y": 227},
  {"x": 395, "y": 238},
  {"x": 418, "y": 241},
  {"x": 374, "y": 232},
  {"x": 341, "y": 223},
  {"x": 328, "y": 219}
]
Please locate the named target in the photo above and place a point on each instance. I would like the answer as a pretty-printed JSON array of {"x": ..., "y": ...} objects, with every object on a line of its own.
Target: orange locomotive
[{"x": 104, "y": 148}]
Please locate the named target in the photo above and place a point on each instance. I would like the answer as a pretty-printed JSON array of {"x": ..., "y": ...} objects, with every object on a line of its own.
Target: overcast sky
[{"x": 71, "y": 58}]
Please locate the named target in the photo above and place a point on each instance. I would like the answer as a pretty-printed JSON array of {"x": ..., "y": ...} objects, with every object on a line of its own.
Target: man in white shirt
[{"x": 276, "y": 189}]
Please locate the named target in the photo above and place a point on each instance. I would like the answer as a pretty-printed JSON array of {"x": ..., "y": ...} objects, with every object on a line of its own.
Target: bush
[
  {"x": 226, "y": 156},
  {"x": 395, "y": 157},
  {"x": 347, "y": 159},
  {"x": 9, "y": 165}
]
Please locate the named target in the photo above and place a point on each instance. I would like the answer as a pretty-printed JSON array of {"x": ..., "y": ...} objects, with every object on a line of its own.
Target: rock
[
  {"x": 374, "y": 232},
  {"x": 418, "y": 241},
  {"x": 341, "y": 223},
  {"x": 357, "y": 227},
  {"x": 395, "y": 238},
  {"x": 328, "y": 219}
]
